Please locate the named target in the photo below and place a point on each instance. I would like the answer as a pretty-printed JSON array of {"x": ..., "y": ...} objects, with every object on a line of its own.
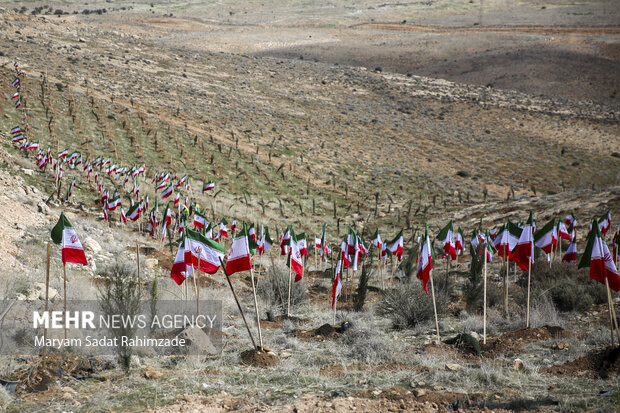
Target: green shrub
[{"x": 409, "y": 306}]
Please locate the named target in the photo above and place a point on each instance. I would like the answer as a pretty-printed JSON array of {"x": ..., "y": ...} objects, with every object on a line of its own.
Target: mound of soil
[
  {"x": 257, "y": 358},
  {"x": 603, "y": 364},
  {"x": 538, "y": 333},
  {"x": 43, "y": 371},
  {"x": 278, "y": 320},
  {"x": 321, "y": 333},
  {"x": 513, "y": 341}
]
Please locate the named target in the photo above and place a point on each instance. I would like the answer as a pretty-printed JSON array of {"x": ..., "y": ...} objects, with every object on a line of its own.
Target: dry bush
[
  {"x": 409, "y": 306},
  {"x": 274, "y": 296},
  {"x": 568, "y": 288},
  {"x": 544, "y": 313}
]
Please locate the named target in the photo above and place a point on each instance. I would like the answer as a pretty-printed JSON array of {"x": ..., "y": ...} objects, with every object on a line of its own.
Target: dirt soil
[
  {"x": 256, "y": 358},
  {"x": 602, "y": 363},
  {"x": 326, "y": 331}
]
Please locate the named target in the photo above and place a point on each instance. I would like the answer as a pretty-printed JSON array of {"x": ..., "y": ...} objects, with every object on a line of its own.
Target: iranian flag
[
  {"x": 168, "y": 215},
  {"x": 317, "y": 243},
  {"x": 209, "y": 251},
  {"x": 605, "y": 223},
  {"x": 17, "y": 138},
  {"x": 337, "y": 287},
  {"x": 597, "y": 257},
  {"x": 376, "y": 240},
  {"x": 446, "y": 236},
  {"x": 180, "y": 270},
  {"x": 506, "y": 240},
  {"x": 523, "y": 253},
  {"x": 251, "y": 230},
  {"x": 134, "y": 211},
  {"x": 123, "y": 216},
  {"x": 302, "y": 244},
  {"x": 570, "y": 220},
  {"x": 177, "y": 199},
  {"x": 459, "y": 243},
  {"x": 239, "y": 254},
  {"x": 166, "y": 193},
  {"x": 395, "y": 247},
  {"x": 425, "y": 261},
  {"x": 346, "y": 260},
  {"x": 285, "y": 240},
  {"x": 162, "y": 185},
  {"x": 199, "y": 220},
  {"x": 233, "y": 227},
  {"x": 563, "y": 232},
  {"x": 295, "y": 260},
  {"x": 324, "y": 248},
  {"x": 208, "y": 186},
  {"x": 223, "y": 229},
  {"x": 546, "y": 238},
  {"x": 16, "y": 130},
  {"x": 571, "y": 252},
  {"x": 181, "y": 181},
  {"x": 265, "y": 242},
  {"x": 72, "y": 250},
  {"x": 114, "y": 203},
  {"x": 615, "y": 243}
]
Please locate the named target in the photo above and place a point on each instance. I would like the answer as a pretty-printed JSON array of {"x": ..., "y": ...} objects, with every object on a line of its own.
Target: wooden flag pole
[
  {"x": 506, "y": 262},
  {"x": 435, "y": 307},
  {"x": 290, "y": 276},
  {"x": 64, "y": 273},
  {"x": 198, "y": 288},
  {"x": 237, "y": 301},
  {"x": 529, "y": 276},
  {"x": 612, "y": 314},
  {"x": 47, "y": 288},
  {"x": 260, "y": 334},
  {"x": 335, "y": 303},
  {"x": 615, "y": 318},
  {"x": 381, "y": 270},
  {"x": 138, "y": 262},
  {"x": 484, "y": 305}
]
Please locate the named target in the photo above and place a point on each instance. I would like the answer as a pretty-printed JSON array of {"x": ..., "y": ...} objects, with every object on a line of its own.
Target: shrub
[
  {"x": 474, "y": 289},
  {"x": 274, "y": 289},
  {"x": 120, "y": 294},
  {"x": 409, "y": 306},
  {"x": 360, "y": 297},
  {"x": 569, "y": 288}
]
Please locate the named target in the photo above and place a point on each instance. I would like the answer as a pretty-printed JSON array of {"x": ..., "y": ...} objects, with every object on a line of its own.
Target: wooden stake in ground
[
  {"x": 64, "y": 273},
  {"x": 506, "y": 263},
  {"x": 529, "y": 277},
  {"x": 47, "y": 288},
  {"x": 138, "y": 262},
  {"x": 434, "y": 306},
  {"x": 612, "y": 314},
  {"x": 260, "y": 334},
  {"x": 290, "y": 277},
  {"x": 197, "y": 286},
  {"x": 484, "y": 304},
  {"x": 238, "y": 305}
]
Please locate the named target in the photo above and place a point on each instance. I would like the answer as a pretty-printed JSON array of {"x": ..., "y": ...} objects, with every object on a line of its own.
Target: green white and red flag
[
  {"x": 523, "y": 253},
  {"x": 506, "y": 240},
  {"x": 459, "y": 241},
  {"x": 199, "y": 220},
  {"x": 446, "y": 236},
  {"x": 598, "y": 258},
  {"x": 64, "y": 234},
  {"x": 264, "y": 242},
  {"x": 546, "y": 238},
  {"x": 425, "y": 260},
  {"x": 337, "y": 287},
  {"x": 180, "y": 270},
  {"x": 396, "y": 246},
  {"x": 209, "y": 251},
  {"x": 167, "y": 192},
  {"x": 285, "y": 240},
  {"x": 571, "y": 220},
  {"x": 604, "y": 223},
  {"x": 208, "y": 186},
  {"x": 134, "y": 211},
  {"x": 302, "y": 244},
  {"x": 563, "y": 231},
  {"x": 376, "y": 240},
  {"x": 615, "y": 242},
  {"x": 295, "y": 260},
  {"x": 239, "y": 254},
  {"x": 346, "y": 260},
  {"x": 571, "y": 252}
]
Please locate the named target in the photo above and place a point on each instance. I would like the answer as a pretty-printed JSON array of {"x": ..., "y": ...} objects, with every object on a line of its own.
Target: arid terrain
[{"x": 377, "y": 115}]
